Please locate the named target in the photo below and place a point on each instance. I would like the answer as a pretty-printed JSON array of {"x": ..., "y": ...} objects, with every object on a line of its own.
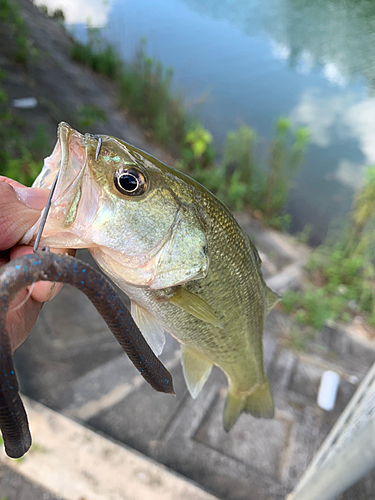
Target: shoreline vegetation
[
  {"x": 145, "y": 92},
  {"x": 340, "y": 276}
]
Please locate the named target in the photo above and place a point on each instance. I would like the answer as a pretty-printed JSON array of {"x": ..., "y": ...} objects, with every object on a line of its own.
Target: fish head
[{"x": 137, "y": 216}]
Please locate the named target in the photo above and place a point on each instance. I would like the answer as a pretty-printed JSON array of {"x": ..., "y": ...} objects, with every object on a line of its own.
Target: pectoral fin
[
  {"x": 196, "y": 370},
  {"x": 272, "y": 299},
  {"x": 195, "y": 306},
  {"x": 152, "y": 331}
]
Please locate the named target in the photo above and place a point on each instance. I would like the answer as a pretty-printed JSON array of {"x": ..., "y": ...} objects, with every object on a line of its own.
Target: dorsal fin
[
  {"x": 272, "y": 298},
  {"x": 258, "y": 260}
]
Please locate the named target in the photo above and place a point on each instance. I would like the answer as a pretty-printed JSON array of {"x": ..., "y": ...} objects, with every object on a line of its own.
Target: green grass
[
  {"x": 341, "y": 271},
  {"x": 239, "y": 180},
  {"x": 297, "y": 338},
  {"x": 88, "y": 116},
  {"x": 144, "y": 85},
  {"x": 10, "y": 16},
  {"x": 20, "y": 157},
  {"x": 315, "y": 306}
]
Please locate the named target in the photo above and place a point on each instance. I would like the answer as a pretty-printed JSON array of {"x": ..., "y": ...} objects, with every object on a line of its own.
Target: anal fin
[
  {"x": 196, "y": 369},
  {"x": 152, "y": 331}
]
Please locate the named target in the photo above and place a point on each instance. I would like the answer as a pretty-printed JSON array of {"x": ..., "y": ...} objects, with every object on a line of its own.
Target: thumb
[{"x": 20, "y": 208}]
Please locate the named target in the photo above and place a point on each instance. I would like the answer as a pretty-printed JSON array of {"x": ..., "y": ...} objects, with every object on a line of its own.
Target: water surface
[{"x": 256, "y": 60}]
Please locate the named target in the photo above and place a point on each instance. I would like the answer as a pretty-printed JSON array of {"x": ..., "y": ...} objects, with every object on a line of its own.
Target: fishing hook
[{"x": 98, "y": 147}]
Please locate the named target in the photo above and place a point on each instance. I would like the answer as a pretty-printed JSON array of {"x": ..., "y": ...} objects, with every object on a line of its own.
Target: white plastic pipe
[{"x": 328, "y": 388}]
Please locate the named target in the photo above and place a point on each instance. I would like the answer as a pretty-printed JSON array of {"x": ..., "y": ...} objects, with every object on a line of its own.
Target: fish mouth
[
  {"x": 73, "y": 160},
  {"x": 70, "y": 160}
]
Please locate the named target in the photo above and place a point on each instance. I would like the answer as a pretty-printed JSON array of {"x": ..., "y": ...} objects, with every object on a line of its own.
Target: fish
[
  {"x": 177, "y": 252},
  {"x": 46, "y": 266}
]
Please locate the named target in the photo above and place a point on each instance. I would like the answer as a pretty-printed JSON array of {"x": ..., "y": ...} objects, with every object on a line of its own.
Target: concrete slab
[
  {"x": 14, "y": 486},
  {"x": 75, "y": 463}
]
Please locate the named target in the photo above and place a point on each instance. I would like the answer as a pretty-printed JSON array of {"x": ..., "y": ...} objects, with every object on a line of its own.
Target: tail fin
[{"x": 259, "y": 403}]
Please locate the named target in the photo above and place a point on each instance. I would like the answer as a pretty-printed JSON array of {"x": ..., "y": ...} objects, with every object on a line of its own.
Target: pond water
[{"x": 257, "y": 60}]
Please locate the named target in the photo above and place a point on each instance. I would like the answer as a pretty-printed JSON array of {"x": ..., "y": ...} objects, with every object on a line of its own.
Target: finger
[
  {"x": 20, "y": 321},
  {"x": 19, "y": 211},
  {"x": 42, "y": 290},
  {"x": 11, "y": 182},
  {"x": 35, "y": 198}
]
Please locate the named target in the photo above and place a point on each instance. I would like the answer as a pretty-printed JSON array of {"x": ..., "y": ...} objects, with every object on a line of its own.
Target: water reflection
[
  {"x": 336, "y": 37},
  {"x": 348, "y": 116}
]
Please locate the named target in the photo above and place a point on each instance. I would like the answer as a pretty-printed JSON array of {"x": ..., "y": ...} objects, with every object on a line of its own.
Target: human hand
[{"x": 20, "y": 208}]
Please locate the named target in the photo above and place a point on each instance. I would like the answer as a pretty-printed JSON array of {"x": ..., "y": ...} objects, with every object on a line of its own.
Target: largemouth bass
[{"x": 176, "y": 251}]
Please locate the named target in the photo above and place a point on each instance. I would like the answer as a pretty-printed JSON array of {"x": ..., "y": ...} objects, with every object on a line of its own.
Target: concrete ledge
[{"x": 75, "y": 463}]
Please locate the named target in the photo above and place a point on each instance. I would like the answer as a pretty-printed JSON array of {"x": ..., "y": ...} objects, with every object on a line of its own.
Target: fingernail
[
  {"x": 32, "y": 197},
  {"x": 55, "y": 288}
]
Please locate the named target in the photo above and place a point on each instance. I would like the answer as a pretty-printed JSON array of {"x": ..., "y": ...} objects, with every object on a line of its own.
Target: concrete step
[{"x": 73, "y": 462}]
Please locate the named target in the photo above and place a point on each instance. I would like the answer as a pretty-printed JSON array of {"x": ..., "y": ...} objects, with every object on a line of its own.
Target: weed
[
  {"x": 145, "y": 86},
  {"x": 297, "y": 337},
  {"x": 283, "y": 163},
  {"x": 58, "y": 15},
  {"x": 88, "y": 116},
  {"x": 295, "y": 340},
  {"x": 20, "y": 157},
  {"x": 145, "y": 89},
  {"x": 343, "y": 268},
  {"x": 304, "y": 235},
  {"x": 10, "y": 15},
  {"x": 239, "y": 181},
  {"x": 43, "y": 8}
]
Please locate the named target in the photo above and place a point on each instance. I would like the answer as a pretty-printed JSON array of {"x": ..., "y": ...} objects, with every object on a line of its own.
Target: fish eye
[{"x": 130, "y": 181}]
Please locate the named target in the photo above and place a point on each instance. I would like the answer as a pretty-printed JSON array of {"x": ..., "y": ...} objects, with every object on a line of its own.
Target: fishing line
[
  {"x": 15, "y": 308},
  {"x": 45, "y": 215},
  {"x": 37, "y": 241}
]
